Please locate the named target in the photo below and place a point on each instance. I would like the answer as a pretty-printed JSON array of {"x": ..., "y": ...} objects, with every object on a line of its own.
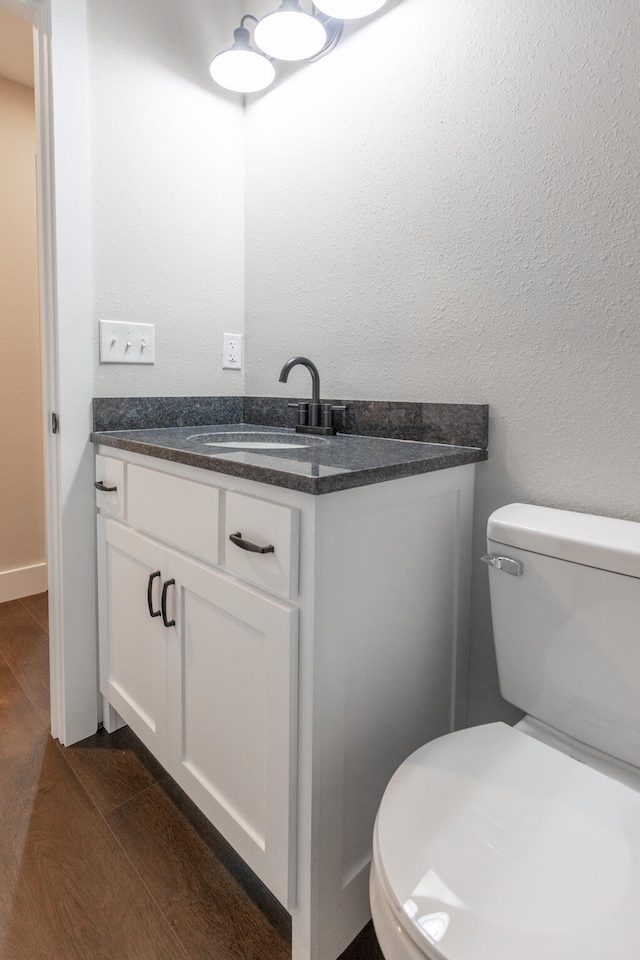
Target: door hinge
[{"x": 55, "y": 423}]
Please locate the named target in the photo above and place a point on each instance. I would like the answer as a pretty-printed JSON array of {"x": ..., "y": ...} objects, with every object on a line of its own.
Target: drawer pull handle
[
  {"x": 165, "y": 587},
  {"x": 247, "y": 545},
  {"x": 152, "y": 612},
  {"x": 99, "y": 485}
]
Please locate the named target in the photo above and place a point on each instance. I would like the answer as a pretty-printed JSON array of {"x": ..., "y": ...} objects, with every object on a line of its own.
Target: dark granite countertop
[{"x": 329, "y": 464}]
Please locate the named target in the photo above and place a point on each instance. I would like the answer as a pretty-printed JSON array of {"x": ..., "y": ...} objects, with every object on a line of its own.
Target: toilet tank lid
[{"x": 601, "y": 542}]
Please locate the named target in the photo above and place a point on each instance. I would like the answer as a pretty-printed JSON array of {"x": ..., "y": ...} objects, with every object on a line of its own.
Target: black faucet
[{"x": 314, "y": 417}]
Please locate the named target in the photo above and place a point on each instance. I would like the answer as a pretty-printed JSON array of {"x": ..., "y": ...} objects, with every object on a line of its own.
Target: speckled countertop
[{"x": 326, "y": 465}]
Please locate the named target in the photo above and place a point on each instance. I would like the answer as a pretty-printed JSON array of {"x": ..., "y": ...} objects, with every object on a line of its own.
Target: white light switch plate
[{"x": 122, "y": 342}]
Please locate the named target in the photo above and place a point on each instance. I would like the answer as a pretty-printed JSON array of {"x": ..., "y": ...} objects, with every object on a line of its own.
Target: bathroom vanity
[{"x": 282, "y": 628}]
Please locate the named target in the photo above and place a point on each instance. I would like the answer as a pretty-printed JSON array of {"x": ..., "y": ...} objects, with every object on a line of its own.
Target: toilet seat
[{"x": 490, "y": 844}]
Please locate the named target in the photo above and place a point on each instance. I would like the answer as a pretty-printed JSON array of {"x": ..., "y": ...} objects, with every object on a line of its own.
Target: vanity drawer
[
  {"x": 110, "y": 474},
  {"x": 182, "y": 513},
  {"x": 262, "y": 523}
]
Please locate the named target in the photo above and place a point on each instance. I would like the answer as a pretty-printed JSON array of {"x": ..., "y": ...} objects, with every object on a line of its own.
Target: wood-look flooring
[{"x": 102, "y": 856}]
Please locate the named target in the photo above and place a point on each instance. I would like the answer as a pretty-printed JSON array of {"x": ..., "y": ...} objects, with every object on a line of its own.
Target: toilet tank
[{"x": 567, "y": 622}]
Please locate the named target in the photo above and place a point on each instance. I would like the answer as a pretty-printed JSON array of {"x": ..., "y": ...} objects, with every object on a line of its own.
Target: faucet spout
[
  {"x": 314, "y": 417},
  {"x": 313, "y": 370}
]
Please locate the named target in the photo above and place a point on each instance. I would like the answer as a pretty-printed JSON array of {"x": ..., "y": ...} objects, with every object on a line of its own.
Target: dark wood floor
[{"x": 102, "y": 856}]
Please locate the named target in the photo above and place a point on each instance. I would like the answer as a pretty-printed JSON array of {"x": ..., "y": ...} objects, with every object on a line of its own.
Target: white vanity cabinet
[
  {"x": 281, "y": 690},
  {"x": 203, "y": 668}
]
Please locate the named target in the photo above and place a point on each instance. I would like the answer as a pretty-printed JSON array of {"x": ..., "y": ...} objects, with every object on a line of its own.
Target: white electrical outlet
[
  {"x": 231, "y": 351},
  {"x": 122, "y": 342}
]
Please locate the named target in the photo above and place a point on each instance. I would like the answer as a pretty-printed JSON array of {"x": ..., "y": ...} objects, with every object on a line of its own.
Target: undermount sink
[{"x": 253, "y": 440}]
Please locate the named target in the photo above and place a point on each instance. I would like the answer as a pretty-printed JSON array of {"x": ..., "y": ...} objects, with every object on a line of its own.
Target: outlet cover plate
[{"x": 231, "y": 351}]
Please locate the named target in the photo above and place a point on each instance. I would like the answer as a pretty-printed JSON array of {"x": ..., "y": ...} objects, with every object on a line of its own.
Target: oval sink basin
[{"x": 253, "y": 440}]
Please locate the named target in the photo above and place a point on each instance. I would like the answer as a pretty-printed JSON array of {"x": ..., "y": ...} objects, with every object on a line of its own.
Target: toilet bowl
[{"x": 523, "y": 843}]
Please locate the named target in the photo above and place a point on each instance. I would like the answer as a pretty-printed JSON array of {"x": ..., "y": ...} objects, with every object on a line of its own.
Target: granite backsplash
[{"x": 459, "y": 424}]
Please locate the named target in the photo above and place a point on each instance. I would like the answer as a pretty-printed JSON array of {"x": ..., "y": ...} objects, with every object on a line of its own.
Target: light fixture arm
[
  {"x": 241, "y": 36},
  {"x": 334, "y": 30}
]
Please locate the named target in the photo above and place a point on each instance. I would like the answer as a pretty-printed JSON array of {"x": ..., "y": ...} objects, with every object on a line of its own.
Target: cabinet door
[
  {"x": 133, "y": 645},
  {"x": 233, "y": 714}
]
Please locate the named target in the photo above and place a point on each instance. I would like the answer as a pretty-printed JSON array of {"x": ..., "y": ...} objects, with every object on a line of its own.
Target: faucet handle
[
  {"x": 303, "y": 412},
  {"x": 328, "y": 409}
]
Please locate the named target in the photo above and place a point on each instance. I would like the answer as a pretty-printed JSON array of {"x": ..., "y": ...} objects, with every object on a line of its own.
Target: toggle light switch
[{"x": 122, "y": 342}]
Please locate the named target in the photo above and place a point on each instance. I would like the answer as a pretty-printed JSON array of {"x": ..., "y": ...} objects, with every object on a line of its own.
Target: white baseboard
[{"x": 23, "y": 582}]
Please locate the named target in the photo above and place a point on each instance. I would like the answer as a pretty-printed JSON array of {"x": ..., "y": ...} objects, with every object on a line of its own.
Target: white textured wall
[
  {"x": 446, "y": 209},
  {"x": 22, "y": 527},
  {"x": 167, "y": 163}
]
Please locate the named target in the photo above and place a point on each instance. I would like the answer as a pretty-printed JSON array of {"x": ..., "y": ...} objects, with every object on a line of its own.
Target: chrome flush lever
[{"x": 514, "y": 567}]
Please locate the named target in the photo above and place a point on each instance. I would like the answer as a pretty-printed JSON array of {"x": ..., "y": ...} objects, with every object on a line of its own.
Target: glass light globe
[
  {"x": 241, "y": 68},
  {"x": 349, "y": 9},
  {"x": 290, "y": 33}
]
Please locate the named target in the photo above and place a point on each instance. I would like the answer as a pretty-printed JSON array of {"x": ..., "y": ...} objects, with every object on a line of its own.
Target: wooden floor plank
[
  {"x": 25, "y": 647},
  {"x": 71, "y": 893},
  {"x": 23, "y": 741},
  {"x": 211, "y": 913},
  {"x": 10, "y": 611},
  {"x": 113, "y": 768},
  {"x": 38, "y": 607},
  {"x": 21, "y": 730}
]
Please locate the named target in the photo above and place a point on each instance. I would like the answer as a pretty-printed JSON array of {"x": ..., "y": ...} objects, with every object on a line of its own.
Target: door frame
[{"x": 61, "y": 101}]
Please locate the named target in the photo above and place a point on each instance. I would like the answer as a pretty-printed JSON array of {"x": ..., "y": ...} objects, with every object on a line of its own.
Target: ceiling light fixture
[
  {"x": 241, "y": 68},
  {"x": 290, "y": 33}
]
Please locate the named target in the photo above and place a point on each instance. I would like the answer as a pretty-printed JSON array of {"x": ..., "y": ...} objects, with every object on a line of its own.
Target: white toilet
[{"x": 523, "y": 843}]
